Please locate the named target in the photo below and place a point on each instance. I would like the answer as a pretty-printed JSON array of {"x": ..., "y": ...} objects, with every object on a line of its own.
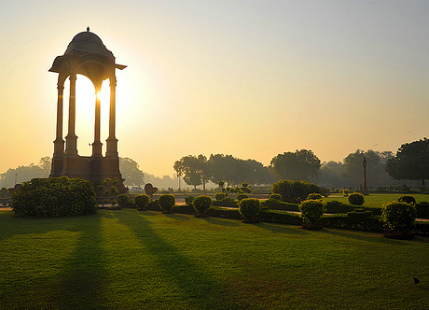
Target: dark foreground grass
[{"x": 130, "y": 260}]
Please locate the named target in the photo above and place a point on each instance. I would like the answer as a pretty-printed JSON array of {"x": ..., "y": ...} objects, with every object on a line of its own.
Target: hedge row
[{"x": 360, "y": 220}]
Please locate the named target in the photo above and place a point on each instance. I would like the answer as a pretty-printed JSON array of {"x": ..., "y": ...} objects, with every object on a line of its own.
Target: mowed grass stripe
[{"x": 147, "y": 260}]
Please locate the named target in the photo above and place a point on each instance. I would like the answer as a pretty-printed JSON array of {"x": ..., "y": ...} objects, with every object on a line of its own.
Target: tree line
[{"x": 410, "y": 165}]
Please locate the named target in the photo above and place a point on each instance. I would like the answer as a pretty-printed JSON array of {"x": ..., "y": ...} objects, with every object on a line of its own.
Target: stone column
[
  {"x": 112, "y": 142},
  {"x": 71, "y": 138},
  {"x": 59, "y": 142},
  {"x": 97, "y": 145}
]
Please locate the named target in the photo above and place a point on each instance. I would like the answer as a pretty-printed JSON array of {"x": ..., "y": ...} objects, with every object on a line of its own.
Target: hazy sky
[{"x": 248, "y": 78}]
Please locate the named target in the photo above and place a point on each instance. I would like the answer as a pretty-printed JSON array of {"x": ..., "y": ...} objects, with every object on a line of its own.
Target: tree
[
  {"x": 130, "y": 172},
  {"x": 376, "y": 163},
  {"x": 196, "y": 170},
  {"x": 411, "y": 162},
  {"x": 331, "y": 174},
  {"x": 24, "y": 173},
  {"x": 299, "y": 166}
]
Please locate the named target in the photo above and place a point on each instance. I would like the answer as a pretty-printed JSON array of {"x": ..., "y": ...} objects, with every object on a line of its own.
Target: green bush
[
  {"x": 280, "y": 205},
  {"x": 226, "y": 202},
  {"x": 338, "y": 207},
  {"x": 311, "y": 211},
  {"x": 358, "y": 216},
  {"x": 356, "y": 199},
  {"x": 184, "y": 209},
  {"x": 294, "y": 191},
  {"x": 167, "y": 201},
  {"x": 233, "y": 214},
  {"x": 407, "y": 199},
  {"x": 242, "y": 196},
  {"x": 219, "y": 196},
  {"x": 122, "y": 200},
  {"x": 202, "y": 204},
  {"x": 154, "y": 206},
  {"x": 55, "y": 197},
  {"x": 189, "y": 199},
  {"x": 250, "y": 208},
  {"x": 398, "y": 216},
  {"x": 141, "y": 201},
  {"x": 280, "y": 217},
  {"x": 275, "y": 197},
  {"x": 314, "y": 196}
]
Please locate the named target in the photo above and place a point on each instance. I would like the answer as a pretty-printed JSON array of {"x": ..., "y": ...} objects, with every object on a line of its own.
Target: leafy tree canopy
[
  {"x": 26, "y": 173},
  {"x": 131, "y": 172},
  {"x": 195, "y": 170},
  {"x": 411, "y": 162},
  {"x": 302, "y": 165}
]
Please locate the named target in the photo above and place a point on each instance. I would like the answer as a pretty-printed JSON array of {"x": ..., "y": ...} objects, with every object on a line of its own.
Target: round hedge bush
[
  {"x": 356, "y": 199},
  {"x": 314, "y": 196},
  {"x": 250, "y": 209},
  {"x": 275, "y": 197},
  {"x": 219, "y": 196},
  {"x": 55, "y": 197},
  {"x": 398, "y": 216},
  {"x": 142, "y": 201},
  {"x": 202, "y": 204},
  {"x": 242, "y": 196},
  {"x": 167, "y": 202},
  {"x": 407, "y": 199},
  {"x": 122, "y": 200},
  {"x": 312, "y": 211}
]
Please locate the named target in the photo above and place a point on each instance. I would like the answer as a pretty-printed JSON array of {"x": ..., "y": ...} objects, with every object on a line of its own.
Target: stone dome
[{"x": 87, "y": 43}]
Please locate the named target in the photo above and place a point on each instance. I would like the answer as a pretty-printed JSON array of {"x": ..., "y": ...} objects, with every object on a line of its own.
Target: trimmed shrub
[
  {"x": 122, "y": 200},
  {"x": 280, "y": 205},
  {"x": 280, "y": 217},
  {"x": 166, "y": 202},
  {"x": 141, "y": 201},
  {"x": 275, "y": 197},
  {"x": 338, "y": 207},
  {"x": 250, "y": 208},
  {"x": 294, "y": 191},
  {"x": 407, "y": 199},
  {"x": 356, "y": 199},
  {"x": 314, "y": 196},
  {"x": 184, "y": 209},
  {"x": 189, "y": 199},
  {"x": 202, "y": 204},
  {"x": 233, "y": 214},
  {"x": 242, "y": 196},
  {"x": 358, "y": 216},
  {"x": 311, "y": 211},
  {"x": 154, "y": 206},
  {"x": 398, "y": 216},
  {"x": 220, "y": 196},
  {"x": 54, "y": 197},
  {"x": 226, "y": 202}
]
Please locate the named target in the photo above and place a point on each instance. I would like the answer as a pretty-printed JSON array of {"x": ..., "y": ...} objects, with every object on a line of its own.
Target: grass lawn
[
  {"x": 147, "y": 260},
  {"x": 377, "y": 200}
]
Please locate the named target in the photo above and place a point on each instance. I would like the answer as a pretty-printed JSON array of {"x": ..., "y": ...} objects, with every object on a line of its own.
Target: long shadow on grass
[
  {"x": 284, "y": 229},
  {"x": 84, "y": 277},
  {"x": 361, "y": 236},
  {"x": 217, "y": 221},
  {"x": 195, "y": 284}
]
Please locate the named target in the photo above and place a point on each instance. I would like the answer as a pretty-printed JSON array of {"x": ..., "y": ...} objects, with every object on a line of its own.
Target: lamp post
[{"x": 364, "y": 190}]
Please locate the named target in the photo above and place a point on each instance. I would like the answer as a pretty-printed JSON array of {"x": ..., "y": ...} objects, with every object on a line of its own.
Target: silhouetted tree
[
  {"x": 24, "y": 173},
  {"x": 195, "y": 169},
  {"x": 376, "y": 162},
  {"x": 411, "y": 162},
  {"x": 130, "y": 172},
  {"x": 302, "y": 165}
]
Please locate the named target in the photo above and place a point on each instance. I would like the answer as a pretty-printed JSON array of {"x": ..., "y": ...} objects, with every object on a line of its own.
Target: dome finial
[{"x": 87, "y": 28}]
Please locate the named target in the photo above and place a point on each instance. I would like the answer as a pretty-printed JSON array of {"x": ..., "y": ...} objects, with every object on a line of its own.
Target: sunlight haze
[{"x": 248, "y": 78}]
